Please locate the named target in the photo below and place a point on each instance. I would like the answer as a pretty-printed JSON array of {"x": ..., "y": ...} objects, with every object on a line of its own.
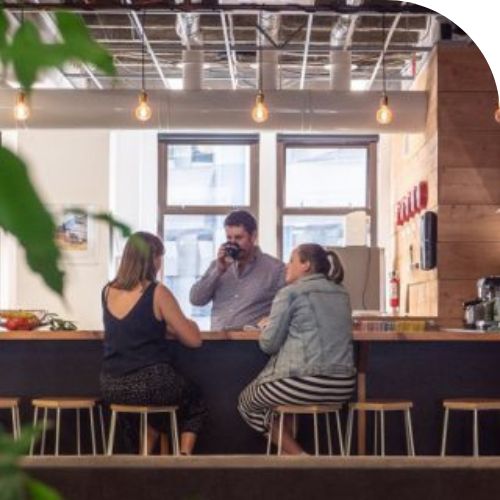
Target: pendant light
[
  {"x": 384, "y": 112},
  {"x": 143, "y": 110},
  {"x": 260, "y": 111},
  {"x": 21, "y": 108}
]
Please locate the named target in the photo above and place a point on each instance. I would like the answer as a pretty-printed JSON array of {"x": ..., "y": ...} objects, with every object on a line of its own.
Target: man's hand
[{"x": 223, "y": 261}]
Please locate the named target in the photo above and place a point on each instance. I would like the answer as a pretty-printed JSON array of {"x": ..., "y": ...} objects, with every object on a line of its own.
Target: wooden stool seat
[
  {"x": 472, "y": 404},
  {"x": 67, "y": 403},
  {"x": 12, "y": 404},
  {"x": 143, "y": 411},
  {"x": 9, "y": 403},
  {"x": 64, "y": 403},
  {"x": 382, "y": 405},
  {"x": 379, "y": 407},
  {"x": 309, "y": 409},
  {"x": 467, "y": 404}
]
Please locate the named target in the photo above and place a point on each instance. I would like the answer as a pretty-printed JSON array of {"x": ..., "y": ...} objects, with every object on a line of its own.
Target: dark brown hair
[
  {"x": 322, "y": 261},
  {"x": 137, "y": 264},
  {"x": 241, "y": 218}
]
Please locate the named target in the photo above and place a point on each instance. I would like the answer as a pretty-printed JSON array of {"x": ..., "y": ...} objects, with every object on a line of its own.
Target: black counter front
[
  {"x": 425, "y": 372},
  {"x": 71, "y": 368}
]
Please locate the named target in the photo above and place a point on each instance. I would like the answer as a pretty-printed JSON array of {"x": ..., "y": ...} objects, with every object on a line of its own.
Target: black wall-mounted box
[{"x": 428, "y": 241}]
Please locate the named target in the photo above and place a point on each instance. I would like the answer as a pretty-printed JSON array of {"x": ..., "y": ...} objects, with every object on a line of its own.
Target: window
[
  {"x": 201, "y": 179},
  {"x": 326, "y": 191}
]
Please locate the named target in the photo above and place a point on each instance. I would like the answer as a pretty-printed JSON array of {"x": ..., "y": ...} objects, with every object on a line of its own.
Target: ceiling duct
[
  {"x": 340, "y": 60},
  {"x": 187, "y": 27},
  {"x": 269, "y": 22},
  {"x": 293, "y": 110}
]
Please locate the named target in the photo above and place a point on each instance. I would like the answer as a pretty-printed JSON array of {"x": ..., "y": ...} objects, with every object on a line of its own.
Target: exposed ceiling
[{"x": 230, "y": 36}]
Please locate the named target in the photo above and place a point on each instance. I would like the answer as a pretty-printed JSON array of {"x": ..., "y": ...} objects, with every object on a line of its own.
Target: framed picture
[{"x": 75, "y": 234}]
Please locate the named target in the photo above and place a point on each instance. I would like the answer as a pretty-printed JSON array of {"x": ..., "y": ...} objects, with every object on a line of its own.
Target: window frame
[
  {"x": 166, "y": 140},
  {"x": 286, "y": 141}
]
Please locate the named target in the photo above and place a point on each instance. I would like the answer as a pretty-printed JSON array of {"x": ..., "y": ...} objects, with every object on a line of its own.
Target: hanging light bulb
[
  {"x": 21, "y": 109},
  {"x": 384, "y": 112},
  {"x": 143, "y": 110},
  {"x": 497, "y": 113},
  {"x": 260, "y": 111}
]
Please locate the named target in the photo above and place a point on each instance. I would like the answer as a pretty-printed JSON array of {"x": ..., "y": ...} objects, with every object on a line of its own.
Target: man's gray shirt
[{"x": 240, "y": 299}]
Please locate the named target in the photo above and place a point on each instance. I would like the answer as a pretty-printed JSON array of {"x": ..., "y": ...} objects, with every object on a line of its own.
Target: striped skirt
[{"x": 257, "y": 399}]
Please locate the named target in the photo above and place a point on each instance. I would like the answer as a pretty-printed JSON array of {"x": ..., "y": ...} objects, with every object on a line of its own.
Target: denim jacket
[{"x": 309, "y": 331}]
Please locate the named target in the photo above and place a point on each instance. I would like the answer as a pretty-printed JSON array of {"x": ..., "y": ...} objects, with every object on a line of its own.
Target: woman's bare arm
[{"x": 184, "y": 329}]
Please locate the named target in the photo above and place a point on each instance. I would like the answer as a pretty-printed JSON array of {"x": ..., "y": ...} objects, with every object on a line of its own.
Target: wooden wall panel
[
  {"x": 459, "y": 155},
  {"x": 469, "y": 223},
  {"x": 468, "y": 260},
  {"x": 469, "y": 186},
  {"x": 414, "y": 159},
  {"x": 460, "y": 111},
  {"x": 463, "y": 67},
  {"x": 469, "y": 149},
  {"x": 452, "y": 294},
  {"x": 423, "y": 298}
]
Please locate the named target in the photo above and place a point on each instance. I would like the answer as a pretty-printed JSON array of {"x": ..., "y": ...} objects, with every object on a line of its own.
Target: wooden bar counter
[{"x": 424, "y": 366}]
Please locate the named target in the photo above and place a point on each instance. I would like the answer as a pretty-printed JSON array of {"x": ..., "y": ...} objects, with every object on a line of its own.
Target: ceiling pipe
[
  {"x": 268, "y": 58},
  {"x": 159, "y": 5},
  {"x": 341, "y": 60},
  {"x": 187, "y": 27}
]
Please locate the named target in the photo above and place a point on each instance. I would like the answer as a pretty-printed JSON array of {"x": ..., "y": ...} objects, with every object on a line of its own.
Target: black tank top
[{"x": 135, "y": 341}]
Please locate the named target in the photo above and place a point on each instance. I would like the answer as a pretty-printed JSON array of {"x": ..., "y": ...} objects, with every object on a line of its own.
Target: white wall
[
  {"x": 268, "y": 217},
  {"x": 133, "y": 183},
  {"x": 69, "y": 168},
  {"x": 385, "y": 216}
]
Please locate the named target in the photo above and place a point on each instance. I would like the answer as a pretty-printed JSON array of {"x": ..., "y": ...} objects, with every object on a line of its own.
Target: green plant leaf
[
  {"x": 26, "y": 53},
  {"x": 78, "y": 43},
  {"x": 11, "y": 486},
  {"x": 4, "y": 26},
  {"x": 40, "y": 491},
  {"x": 23, "y": 214},
  {"x": 11, "y": 448}
]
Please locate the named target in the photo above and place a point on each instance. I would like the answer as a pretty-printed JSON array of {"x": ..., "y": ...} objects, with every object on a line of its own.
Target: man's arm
[{"x": 203, "y": 290}]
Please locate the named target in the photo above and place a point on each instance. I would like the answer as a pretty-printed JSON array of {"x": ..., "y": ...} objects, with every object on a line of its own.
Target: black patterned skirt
[{"x": 158, "y": 385}]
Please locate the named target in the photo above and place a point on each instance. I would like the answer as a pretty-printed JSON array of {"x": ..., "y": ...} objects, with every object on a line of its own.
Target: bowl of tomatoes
[{"x": 18, "y": 319}]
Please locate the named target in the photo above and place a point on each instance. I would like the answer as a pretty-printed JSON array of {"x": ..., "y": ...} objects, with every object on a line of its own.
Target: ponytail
[
  {"x": 323, "y": 262},
  {"x": 336, "y": 273}
]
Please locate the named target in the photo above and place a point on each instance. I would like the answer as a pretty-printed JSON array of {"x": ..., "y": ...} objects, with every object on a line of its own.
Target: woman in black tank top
[{"x": 137, "y": 358}]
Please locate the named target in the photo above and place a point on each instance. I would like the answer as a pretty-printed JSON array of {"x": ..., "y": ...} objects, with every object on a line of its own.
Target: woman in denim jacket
[{"x": 309, "y": 337}]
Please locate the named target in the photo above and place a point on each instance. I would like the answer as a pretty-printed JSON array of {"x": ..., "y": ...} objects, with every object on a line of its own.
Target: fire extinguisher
[{"x": 394, "y": 291}]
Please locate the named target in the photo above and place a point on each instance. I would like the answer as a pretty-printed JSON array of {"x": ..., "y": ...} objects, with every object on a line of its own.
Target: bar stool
[
  {"x": 12, "y": 404},
  {"x": 314, "y": 410},
  {"x": 380, "y": 407},
  {"x": 58, "y": 404},
  {"x": 467, "y": 404},
  {"x": 144, "y": 410}
]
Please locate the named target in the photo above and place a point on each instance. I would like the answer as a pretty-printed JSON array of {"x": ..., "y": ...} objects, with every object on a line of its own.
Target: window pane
[
  {"x": 326, "y": 177},
  {"x": 208, "y": 174},
  {"x": 321, "y": 229},
  {"x": 191, "y": 242}
]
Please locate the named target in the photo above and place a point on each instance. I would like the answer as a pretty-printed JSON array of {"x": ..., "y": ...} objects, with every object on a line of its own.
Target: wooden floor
[{"x": 246, "y": 477}]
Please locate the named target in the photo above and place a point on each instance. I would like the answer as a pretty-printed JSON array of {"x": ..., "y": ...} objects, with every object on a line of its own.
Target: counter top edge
[{"x": 372, "y": 336}]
